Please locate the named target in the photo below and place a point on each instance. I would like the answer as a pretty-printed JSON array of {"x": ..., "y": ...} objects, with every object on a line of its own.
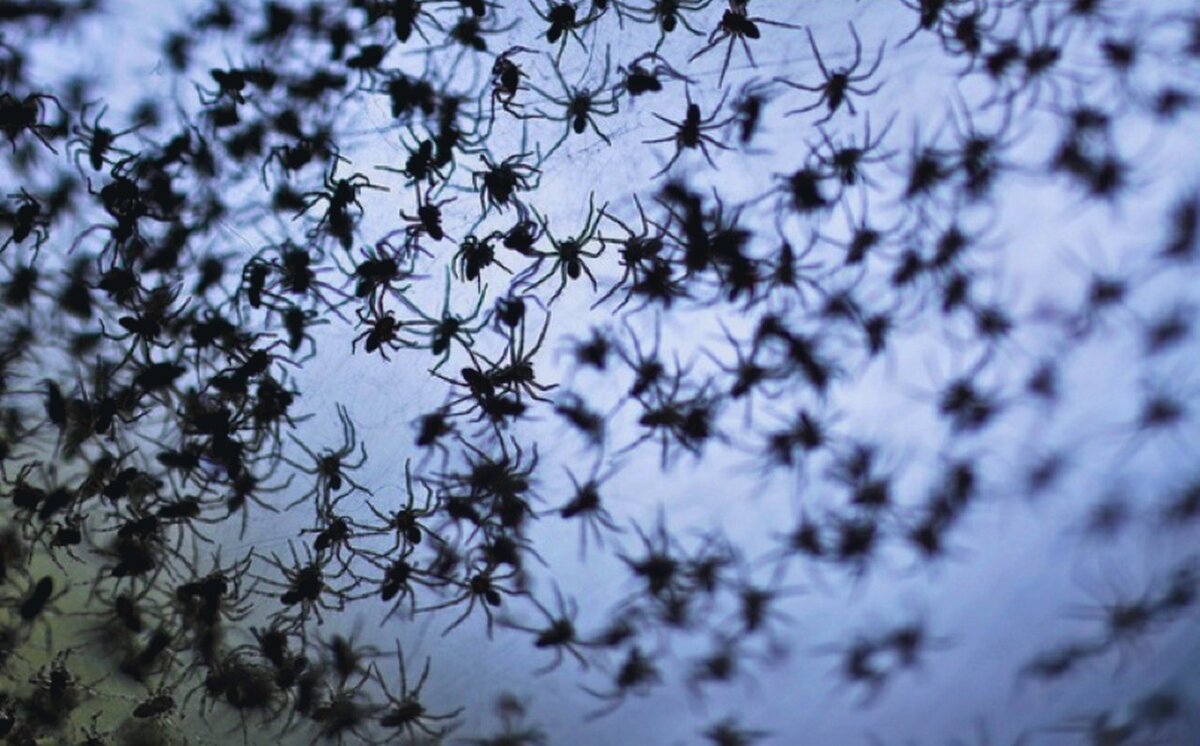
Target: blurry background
[{"x": 1030, "y": 569}]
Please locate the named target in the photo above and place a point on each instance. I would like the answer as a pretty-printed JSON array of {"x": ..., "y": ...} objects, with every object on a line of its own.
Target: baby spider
[
  {"x": 404, "y": 711},
  {"x": 587, "y": 506},
  {"x": 636, "y": 675},
  {"x": 580, "y": 106},
  {"x": 639, "y": 79},
  {"x": 96, "y": 142},
  {"x": 736, "y": 25},
  {"x": 840, "y": 82},
  {"x": 331, "y": 467},
  {"x": 443, "y": 331},
  {"x": 499, "y": 183},
  {"x": 691, "y": 132},
  {"x": 568, "y": 255},
  {"x": 340, "y": 195},
  {"x": 506, "y": 83},
  {"x": 482, "y": 587},
  {"x": 515, "y": 372},
  {"x": 406, "y": 524},
  {"x": 558, "y": 634},
  {"x": 565, "y": 22},
  {"x": 303, "y": 584}
]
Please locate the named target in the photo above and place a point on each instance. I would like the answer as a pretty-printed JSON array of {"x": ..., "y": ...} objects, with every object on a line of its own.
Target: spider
[
  {"x": 558, "y": 635},
  {"x": 639, "y": 250},
  {"x": 636, "y": 675},
  {"x": 845, "y": 161},
  {"x": 588, "y": 508},
  {"x": 729, "y": 732},
  {"x": 691, "y": 132},
  {"x": 381, "y": 270},
  {"x": 331, "y": 467},
  {"x": 516, "y": 374},
  {"x": 565, "y": 23},
  {"x": 405, "y": 524},
  {"x": 524, "y": 233},
  {"x": 568, "y": 254},
  {"x": 340, "y": 194},
  {"x": 475, "y": 255},
  {"x": 748, "y": 106},
  {"x": 346, "y": 711},
  {"x": 840, "y": 82},
  {"x": 747, "y": 373},
  {"x": 980, "y": 154},
  {"x": 97, "y": 142},
  {"x": 382, "y": 333},
  {"x": 404, "y": 711},
  {"x": 499, "y": 182},
  {"x": 506, "y": 82},
  {"x": 20, "y": 114},
  {"x": 639, "y": 79},
  {"x": 443, "y": 331},
  {"x": 428, "y": 220},
  {"x": 145, "y": 328},
  {"x": 29, "y": 219},
  {"x": 483, "y": 587},
  {"x": 580, "y": 105},
  {"x": 929, "y": 15},
  {"x": 293, "y": 158},
  {"x": 736, "y": 25},
  {"x": 668, "y": 15},
  {"x": 469, "y": 33},
  {"x": 420, "y": 164},
  {"x": 303, "y": 585}
]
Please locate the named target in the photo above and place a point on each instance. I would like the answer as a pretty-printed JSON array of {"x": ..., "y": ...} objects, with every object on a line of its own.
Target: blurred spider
[
  {"x": 559, "y": 635},
  {"x": 29, "y": 219},
  {"x": 846, "y": 161},
  {"x": 728, "y": 732},
  {"x": 635, "y": 676},
  {"x": 586, "y": 506},
  {"x": 18, "y": 115}
]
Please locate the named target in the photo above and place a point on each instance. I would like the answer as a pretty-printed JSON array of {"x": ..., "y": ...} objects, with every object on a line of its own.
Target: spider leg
[{"x": 816, "y": 53}]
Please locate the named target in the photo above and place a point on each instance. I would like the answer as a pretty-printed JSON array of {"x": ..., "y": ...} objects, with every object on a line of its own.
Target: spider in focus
[
  {"x": 736, "y": 25},
  {"x": 568, "y": 255},
  {"x": 331, "y": 467},
  {"x": 580, "y": 105},
  {"x": 840, "y": 82}
]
